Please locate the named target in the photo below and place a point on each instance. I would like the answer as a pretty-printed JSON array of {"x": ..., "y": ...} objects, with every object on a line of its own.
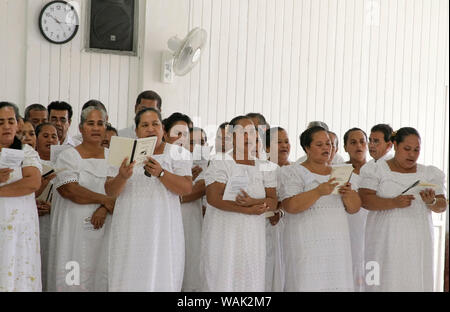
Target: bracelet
[{"x": 433, "y": 202}]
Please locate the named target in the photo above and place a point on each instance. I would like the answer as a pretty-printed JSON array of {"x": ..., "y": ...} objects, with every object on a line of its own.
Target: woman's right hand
[
  {"x": 43, "y": 207},
  {"x": 403, "y": 201},
  {"x": 327, "y": 188},
  {"x": 125, "y": 172},
  {"x": 5, "y": 173}
]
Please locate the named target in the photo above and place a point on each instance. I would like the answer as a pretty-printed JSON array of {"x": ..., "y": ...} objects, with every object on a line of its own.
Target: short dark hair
[
  {"x": 174, "y": 118},
  {"x": 137, "y": 118},
  {"x": 270, "y": 133},
  {"x": 13, "y": 106},
  {"x": 347, "y": 134},
  {"x": 400, "y": 135},
  {"x": 149, "y": 95},
  {"x": 307, "y": 136},
  {"x": 385, "y": 129},
  {"x": 260, "y": 117},
  {"x": 95, "y": 103},
  {"x": 60, "y": 105},
  {"x": 232, "y": 124},
  {"x": 223, "y": 125},
  {"x": 42, "y": 125},
  {"x": 38, "y": 107},
  {"x": 111, "y": 128}
]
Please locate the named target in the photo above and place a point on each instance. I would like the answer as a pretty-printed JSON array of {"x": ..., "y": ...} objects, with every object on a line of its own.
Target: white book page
[
  {"x": 234, "y": 186},
  {"x": 119, "y": 149},
  {"x": 144, "y": 148},
  {"x": 342, "y": 174},
  {"x": 11, "y": 158}
]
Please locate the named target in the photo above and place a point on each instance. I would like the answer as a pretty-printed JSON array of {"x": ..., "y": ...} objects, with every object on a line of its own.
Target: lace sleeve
[{"x": 66, "y": 166}]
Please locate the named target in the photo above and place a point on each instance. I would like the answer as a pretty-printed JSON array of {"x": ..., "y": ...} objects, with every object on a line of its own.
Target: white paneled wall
[
  {"x": 12, "y": 53},
  {"x": 69, "y": 73},
  {"x": 350, "y": 63}
]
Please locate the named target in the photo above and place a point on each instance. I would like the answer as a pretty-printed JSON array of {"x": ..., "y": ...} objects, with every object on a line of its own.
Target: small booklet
[
  {"x": 234, "y": 187},
  {"x": 419, "y": 187},
  {"x": 135, "y": 149},
  {"x": 11, "y": 158},
  {"x": 47, "y": 194},
  {"x": 342, "y": 173}
]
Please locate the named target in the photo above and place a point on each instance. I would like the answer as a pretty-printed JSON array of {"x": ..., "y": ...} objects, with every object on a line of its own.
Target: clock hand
[{"x": 55, "y": 19}]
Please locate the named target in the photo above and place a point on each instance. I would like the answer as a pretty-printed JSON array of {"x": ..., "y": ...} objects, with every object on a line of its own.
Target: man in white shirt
[
  {"x": 145, "y": 100},
  {"x": 60, "y": 115},
  {"x": 380, "y": 143}
]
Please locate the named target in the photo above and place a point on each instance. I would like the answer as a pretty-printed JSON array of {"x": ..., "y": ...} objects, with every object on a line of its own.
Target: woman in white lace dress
[
  {"x": 355, "y": 144},
  {"x": 20, "y": 263},
  {"x": 399, "y": 229},
  {"x": 46, "y": 136},
  {"x": 316, "y": 239},
  {"x": 233, "y": 248},
  {"x": 80, "y": 218},
  {"x": 147, "y": 241},
  {"x": 278, "y": 148}
]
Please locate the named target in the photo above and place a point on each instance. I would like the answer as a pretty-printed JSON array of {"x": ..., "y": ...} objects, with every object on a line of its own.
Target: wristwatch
[{"x": 161, "y": 174}]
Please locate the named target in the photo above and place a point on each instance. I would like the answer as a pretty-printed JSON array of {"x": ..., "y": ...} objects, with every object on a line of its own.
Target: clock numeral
[
  {"x": 58, "y": 7},
  {"x": 47, "y": 14},
  {"x": 46, "y": 28},
  {"x": 45, "y": 21},
  {"x": 52, "y": 9}
]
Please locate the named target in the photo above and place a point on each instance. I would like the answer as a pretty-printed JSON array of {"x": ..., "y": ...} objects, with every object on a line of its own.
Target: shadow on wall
[{"x": 446, "y": 264}]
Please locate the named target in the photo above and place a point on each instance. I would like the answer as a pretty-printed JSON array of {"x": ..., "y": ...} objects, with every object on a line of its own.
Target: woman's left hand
[
  {"x": 428, "y": 196},
  {"x": 244, "y": 200},
  {"x": 153, "y": 167},
  {"x": 98, "y": 217}
]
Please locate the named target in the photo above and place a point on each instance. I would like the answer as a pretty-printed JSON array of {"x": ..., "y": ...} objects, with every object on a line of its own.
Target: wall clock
[{"x": 59, "y": 22}]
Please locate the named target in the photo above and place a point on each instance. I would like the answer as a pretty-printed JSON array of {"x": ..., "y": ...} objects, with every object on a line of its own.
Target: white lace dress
[
  {"x": 357, "y": 224},
  {"x": 74, "y": 243},
  {"x": 233, "y": 248},
  {"x": 400, "y": 240},
  {"x": 20, "y": 260},
  {"x": 147, "y": 239},
  {"x": 192, "y": 224},
  {"x": 317, "y": 251}
]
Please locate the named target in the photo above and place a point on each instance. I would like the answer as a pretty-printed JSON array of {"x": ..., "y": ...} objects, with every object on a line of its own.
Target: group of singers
[{"x": 243, "y": 218}]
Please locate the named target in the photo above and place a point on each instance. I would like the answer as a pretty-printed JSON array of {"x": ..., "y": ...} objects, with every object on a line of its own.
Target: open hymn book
[
  {"x": 342, "y": 173},
  {"x": 135, "y": 149}
]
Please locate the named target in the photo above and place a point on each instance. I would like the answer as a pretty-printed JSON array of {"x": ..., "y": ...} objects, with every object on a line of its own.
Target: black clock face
[{"x": 59, "y": 22}]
